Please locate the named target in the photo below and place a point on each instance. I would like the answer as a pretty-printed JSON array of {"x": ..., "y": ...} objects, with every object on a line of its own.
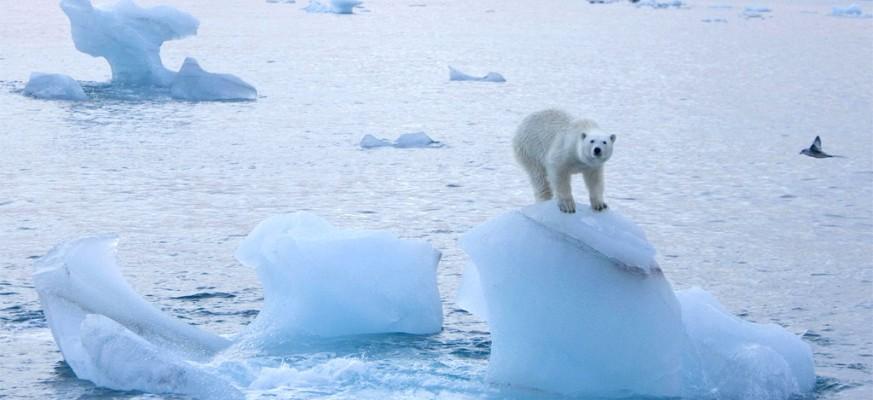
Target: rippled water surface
[{"x": 710, "y": 117}]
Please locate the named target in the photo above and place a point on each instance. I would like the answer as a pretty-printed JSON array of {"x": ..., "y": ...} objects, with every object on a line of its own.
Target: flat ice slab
[
  {"x": 54, "y": 87},
  {"x": 335, "y": 6},
  {"x": 456, "y": 75},
  {"x": 322, "y": 281},
  {"x": 128, "y": 37},
  {"x": 195, "y": 84},
  {"x": 576, "y": 304}
]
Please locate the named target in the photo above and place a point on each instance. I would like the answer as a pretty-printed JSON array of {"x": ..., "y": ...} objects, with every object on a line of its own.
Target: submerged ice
[
  {"x": 54, "y": 86},
  {"x": 581, "y": 298},
  {"x": 129, "y": 37}
]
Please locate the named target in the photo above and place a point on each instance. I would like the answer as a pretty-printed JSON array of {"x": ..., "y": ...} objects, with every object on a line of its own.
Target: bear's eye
[
  {"x": 592, "y": 141},
  {"x": 604, "y": 142}
]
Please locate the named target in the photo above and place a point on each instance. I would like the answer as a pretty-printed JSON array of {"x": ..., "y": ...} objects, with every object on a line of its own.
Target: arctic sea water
[{"x": 710, "y": 118}]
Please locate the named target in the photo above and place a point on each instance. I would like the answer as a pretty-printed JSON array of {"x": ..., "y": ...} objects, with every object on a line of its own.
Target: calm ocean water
[{"x": 710, "y": 118}]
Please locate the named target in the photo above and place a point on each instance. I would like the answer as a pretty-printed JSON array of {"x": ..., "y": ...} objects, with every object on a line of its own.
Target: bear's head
[{"x": 594, "y": 146}]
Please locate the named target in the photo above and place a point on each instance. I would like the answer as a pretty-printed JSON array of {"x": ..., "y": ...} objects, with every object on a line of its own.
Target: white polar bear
[{"x": 551, "y": 146}]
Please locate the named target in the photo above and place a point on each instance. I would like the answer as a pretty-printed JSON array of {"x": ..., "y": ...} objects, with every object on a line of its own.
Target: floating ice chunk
[
  {"x": 334, "y": 371},
  {"x": 455, "y": 75},
  {"x": 714, "y": 20},
  {"x": 370, "y": 141},
  {"x": 581, "y": 298},
  {"x": 660, "y": 3},
  {"x": 850, "y": 11},
  {"x": 404, "y": 141},
  {"x": 194, "y": 83},
  {"x": 128, "y": 37},
  {"x": 324, "y": 281},
  {"x": 415, "y": 139},
  {"x": 336, "y": 6},
  {"x": 54, "y": 86},
  {"x": 129, "y": 362},
  {"x": 81, "y": 277},
  {"x": 744, "y": 360},
  {"x": 755, "y": 11}
]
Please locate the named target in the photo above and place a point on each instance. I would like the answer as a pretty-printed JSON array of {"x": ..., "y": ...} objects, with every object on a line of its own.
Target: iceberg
[
  {"x": 54, "y": 87},
  {"x": 193, "y": 83},
  {"x": 129, "y": 37},
  {"x": 456, "y": 75},
  {"x": 79, "y": 279},
  {"x": 577, "y": 305},
  {"x": 321, "y": 281},
  {"x": 404, "y": 141}
]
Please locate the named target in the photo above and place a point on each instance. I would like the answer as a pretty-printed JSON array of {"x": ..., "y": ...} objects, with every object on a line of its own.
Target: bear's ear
[
  {"x": 612, "y": 138},
  {"x": 583, "y": 135}
]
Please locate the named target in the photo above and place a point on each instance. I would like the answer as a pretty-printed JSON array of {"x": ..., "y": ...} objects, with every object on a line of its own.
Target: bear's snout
[{"x": 597, "y": 151}]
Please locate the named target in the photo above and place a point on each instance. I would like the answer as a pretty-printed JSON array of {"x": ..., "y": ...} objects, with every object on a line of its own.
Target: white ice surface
[
  {"x": 129, "y": 362},
  {"x": 54, "y": 86},
  {"x": 580, "y": 297},
  {"x": 128, "y": 37},
  {"x": 456, "y": 75},
  {"x": 322, "y": 281},
  {"x": 194, "y": 83}
]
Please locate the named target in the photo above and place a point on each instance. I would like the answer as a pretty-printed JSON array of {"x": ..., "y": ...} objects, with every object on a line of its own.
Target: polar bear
[{"x": 551, "y": 146}]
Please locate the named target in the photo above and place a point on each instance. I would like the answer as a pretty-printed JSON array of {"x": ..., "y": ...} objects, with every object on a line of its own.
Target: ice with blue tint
[
  {"x": 335, "y": 6},
  {"x": 851, "y": 11},
  {"x": 456, "y": 75},
  {"x": 81, "y": 278},
  {"x": 581, "y": 297},
  {"x": 194, "y": 83},
  {"x": 321, "y": 281},
  {"x": 129, "y": 37},
  {"x": 54, "y": 87},
  {"x": 660, "y": 3}
]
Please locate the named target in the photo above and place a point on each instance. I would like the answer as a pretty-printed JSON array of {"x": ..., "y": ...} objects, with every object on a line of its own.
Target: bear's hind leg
[{"x": 540, "y": 183}]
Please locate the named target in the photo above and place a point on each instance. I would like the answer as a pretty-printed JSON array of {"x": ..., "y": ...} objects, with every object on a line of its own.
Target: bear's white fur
[{"x": 552, "y": 146}]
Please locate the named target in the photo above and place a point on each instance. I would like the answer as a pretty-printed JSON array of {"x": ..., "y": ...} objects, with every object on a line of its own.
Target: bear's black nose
[{"x": 597, "y": 151}]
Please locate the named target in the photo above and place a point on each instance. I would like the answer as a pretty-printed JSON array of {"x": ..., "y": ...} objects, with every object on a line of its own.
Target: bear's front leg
[
  {"x": 594, "y": 182},
  {"x": 560, "y": 182}
]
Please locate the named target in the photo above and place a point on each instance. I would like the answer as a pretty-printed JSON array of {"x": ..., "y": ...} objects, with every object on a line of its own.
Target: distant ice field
[{"x": 710, "y": 118}]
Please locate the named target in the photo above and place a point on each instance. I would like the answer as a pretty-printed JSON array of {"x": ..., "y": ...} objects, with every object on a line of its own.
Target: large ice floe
[
  {"x": 54, "y": 87},
  {"x": 319, "y": 282},
  {"x": 576, "y": 304},
  {"x": 111, "y": 336},
  {"x": 129, "y": 37},
  {"x": 322, "y": 281}
]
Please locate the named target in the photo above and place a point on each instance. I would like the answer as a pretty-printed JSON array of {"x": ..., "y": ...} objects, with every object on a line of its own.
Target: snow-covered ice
[
  {"x": 129, "y": 37},
  {"x": 54, "y": 86},
  {"x": 80, "y": 278},
  {"x": 194, "y": 83},
  {"x": 456, "y": 75},
  {"x": 323, "y": 281},
  {"x": 404, "y": 141},
  {"x": 581, "y": 298}
]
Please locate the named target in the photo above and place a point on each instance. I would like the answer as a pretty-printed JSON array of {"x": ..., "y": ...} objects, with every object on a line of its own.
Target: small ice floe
[
  {"x": 54, "y": 87},
  {"x": 404, "y": 141},
  {"x": 755, "y": 12},
  {"x": 335, "y": 6},
  {"x": 660, "y": 3},
  {"x": 851, "y": 11},
  {"x": 714, "y": 20},
  {"x": 282, "y": 1},
  {"x": 455, "y": 75},
  {"x": 194, "y": 83}
]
